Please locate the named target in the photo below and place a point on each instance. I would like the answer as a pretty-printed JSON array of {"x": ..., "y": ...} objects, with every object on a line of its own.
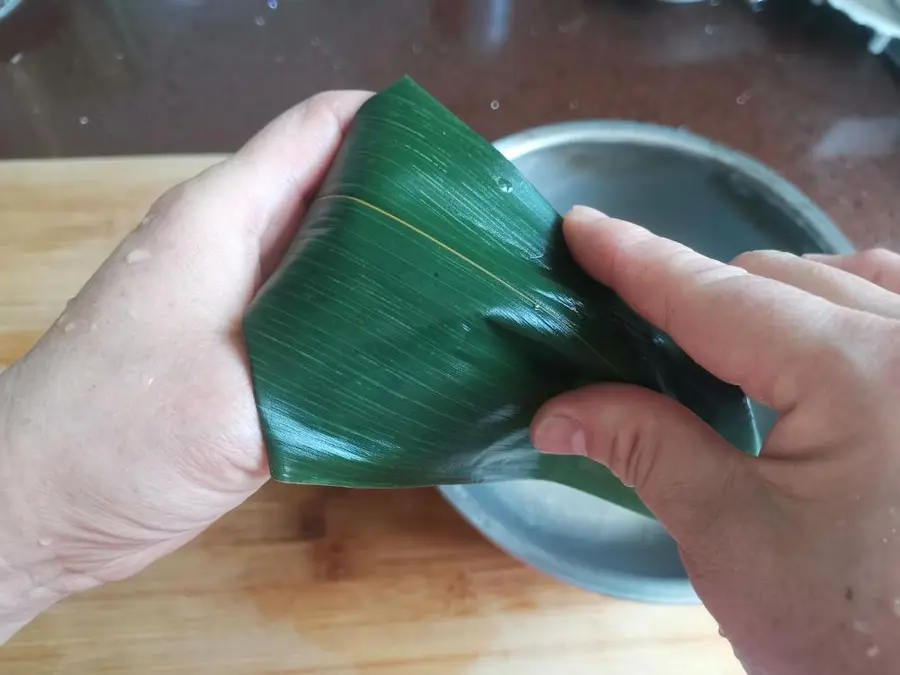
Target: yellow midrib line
[
  {"x": 534, "y": 303},
  {"x": 438, "y": 242}
]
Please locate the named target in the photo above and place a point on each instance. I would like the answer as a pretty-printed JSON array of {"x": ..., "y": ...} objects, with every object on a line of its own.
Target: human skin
[
  {"x": 795, "y": 553},
  {"x": 131, "y": 425}
]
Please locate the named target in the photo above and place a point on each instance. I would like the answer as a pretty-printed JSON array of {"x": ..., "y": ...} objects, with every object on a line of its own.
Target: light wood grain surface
[{"x": 300, "y": 580}]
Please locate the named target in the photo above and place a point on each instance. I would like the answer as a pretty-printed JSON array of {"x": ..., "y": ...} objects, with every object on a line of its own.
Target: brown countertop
[{"x": 792, "y": 85}]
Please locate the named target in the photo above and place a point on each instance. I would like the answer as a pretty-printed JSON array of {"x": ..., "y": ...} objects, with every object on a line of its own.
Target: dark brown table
[{"x": 792, "y": 85}]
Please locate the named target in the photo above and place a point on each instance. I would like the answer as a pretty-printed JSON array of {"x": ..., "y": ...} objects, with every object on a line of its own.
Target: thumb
[{"x": 681, "y": 469}]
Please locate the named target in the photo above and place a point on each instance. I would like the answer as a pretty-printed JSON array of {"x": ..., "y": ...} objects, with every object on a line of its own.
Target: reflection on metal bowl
[
  {"x": 7, "y": 7},
  {"x": 681, "y": 186}
]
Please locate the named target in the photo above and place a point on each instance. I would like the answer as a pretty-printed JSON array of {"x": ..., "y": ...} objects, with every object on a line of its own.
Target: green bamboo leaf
[{"x": 429, "y": 306}]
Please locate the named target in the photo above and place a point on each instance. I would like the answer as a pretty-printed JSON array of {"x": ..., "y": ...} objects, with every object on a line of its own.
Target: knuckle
[{"x": 632, "y": 455}]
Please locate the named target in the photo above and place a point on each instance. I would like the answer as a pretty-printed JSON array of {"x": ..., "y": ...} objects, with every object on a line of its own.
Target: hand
[
  {"x": 131, "y": 426},
  {"x": 796, "y": 553}
]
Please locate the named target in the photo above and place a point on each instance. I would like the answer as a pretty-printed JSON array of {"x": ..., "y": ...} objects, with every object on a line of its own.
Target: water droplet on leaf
[{"x": 504, "y": 185}]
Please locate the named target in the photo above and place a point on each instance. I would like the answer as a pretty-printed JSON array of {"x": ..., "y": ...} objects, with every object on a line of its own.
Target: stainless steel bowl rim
[{"x": 769, "y": 184}]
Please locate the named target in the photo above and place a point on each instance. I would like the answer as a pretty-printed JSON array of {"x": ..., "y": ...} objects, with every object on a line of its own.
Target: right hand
[{"x": 795, "y": 553}]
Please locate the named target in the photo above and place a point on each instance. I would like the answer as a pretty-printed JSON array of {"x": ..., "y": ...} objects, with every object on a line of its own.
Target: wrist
[{"x": 32, "y": 578}]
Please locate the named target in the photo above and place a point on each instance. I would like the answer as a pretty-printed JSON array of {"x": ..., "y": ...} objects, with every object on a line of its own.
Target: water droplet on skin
[
  {"x": 83, "y": 120},
  {"x": 260, "y": 21},
  {"x": 573, "y": 105},
  {"x": 150, "y": 380},
  {"x": 495, "y": 104},
  {"x": 146, "y": 220},
  {"x": 416, "y": 48},
  {"x": 69, "y": 327},
  {"x": 137, "y": 255},
  {"x": 884, "y": 540},
  {"x": 504, "y": 185},
  {"x": 17, "y": 58},
  {"x": 273, "y": 4},
  {"x": 873, "y": 651},
  {"x": 93, "y": 327},
  {"x": 860, "y": 626},
  {"x": 45, "y": 541}
]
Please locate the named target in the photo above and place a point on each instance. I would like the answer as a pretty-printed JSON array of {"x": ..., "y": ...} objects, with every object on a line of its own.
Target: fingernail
[
  {"x": 819, "y": 257},
  {"x": 560, "y": 435},
  {"x": 586, "y": 213}
]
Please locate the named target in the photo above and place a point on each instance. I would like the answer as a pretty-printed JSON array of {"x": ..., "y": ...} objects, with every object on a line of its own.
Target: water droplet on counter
[
  {"x": 150, "y": 380},
  {"x": 45, "y": 541},
  {"x": 133, "y": 313},
  {"x": 137, "y": 255},
  {"x": 83, "y": 120},
  {"x": 279, "y": 58},
  {"x": 504, "y": 185},
  {"x": 273, "y": 4},
  {"x": 260, "y": 21},
  {"x": 17, "y": 58},
  {"x": 495, "y": 104},
  {"x": 314, "y": 41},
  {"x": 93, "y": 327},
  {"x": 709, "y": 29},
  {"x": 873, "y": 651},
  {"x": 69, "y": 327}
]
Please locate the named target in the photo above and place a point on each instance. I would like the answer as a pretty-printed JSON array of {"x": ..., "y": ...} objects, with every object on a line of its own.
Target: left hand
[{"x": 131, "y": 426}]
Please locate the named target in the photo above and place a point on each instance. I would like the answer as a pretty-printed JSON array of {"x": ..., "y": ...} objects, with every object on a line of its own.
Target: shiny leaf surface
[{"x": 429, "y": 306}]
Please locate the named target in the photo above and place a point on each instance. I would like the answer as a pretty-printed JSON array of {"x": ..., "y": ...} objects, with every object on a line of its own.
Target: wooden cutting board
[{"x": 300, "y": 580}]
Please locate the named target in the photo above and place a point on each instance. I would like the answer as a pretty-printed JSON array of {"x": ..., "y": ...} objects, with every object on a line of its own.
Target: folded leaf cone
[{"x": 429, "y": 306}]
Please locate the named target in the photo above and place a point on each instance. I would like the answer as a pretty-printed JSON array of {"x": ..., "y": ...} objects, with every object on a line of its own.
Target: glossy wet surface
[{"x": 792, "y": 85}]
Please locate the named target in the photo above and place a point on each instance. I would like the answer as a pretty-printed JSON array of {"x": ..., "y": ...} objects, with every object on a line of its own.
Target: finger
[
  {"x": 877, "y": 265},
  {"x": 831, "y": 283},
  {"x": 758, "y": 333},
  {"x": 680, "y": 468},
  {"x": 279, "y": 169}
]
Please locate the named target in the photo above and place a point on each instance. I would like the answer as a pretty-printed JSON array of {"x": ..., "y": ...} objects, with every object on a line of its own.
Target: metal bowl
[{"x": 684, "y": 187}]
